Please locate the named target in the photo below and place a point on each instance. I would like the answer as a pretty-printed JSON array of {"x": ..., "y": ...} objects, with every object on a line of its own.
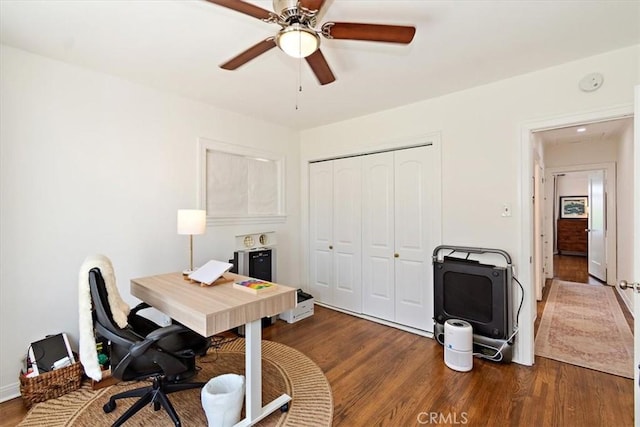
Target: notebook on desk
[{"x": 210, "y": 272}]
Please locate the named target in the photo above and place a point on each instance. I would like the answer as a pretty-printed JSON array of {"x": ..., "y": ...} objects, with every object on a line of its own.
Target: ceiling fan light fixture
[{"x": 298, "y": 40}]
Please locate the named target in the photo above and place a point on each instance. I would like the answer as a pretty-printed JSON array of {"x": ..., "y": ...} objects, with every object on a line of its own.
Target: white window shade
[
  {"x": 262, "y": 193},
  {"x": 227, "y": 181},
  {"x": 241, "y": 184}
]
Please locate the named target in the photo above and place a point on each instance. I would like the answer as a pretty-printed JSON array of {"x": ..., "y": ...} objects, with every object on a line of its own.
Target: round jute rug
[{"x": 284, "y": 370}]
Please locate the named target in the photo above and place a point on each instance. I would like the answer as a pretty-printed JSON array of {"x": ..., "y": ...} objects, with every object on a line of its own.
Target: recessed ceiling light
[{"x": 581, "y": 129}]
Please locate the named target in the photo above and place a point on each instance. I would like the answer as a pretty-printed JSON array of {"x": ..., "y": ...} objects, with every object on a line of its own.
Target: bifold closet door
[
  {"x": 321, "y": 231},
  {"x": 374, "y": 221},
  {"x": 414, "y": 208},
  {"x": 397, "y": 239},
  {"x": 335, "y": 264},
  {"x": 378, "y": 271},
  {"x": 347, "y": 233}
]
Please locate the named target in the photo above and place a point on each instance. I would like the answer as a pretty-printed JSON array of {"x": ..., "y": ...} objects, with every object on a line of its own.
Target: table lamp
[{"x": 191, "y": 221}]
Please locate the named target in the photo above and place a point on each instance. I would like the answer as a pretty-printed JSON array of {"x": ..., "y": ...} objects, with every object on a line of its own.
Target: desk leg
[{"x": 253, "y": 365}]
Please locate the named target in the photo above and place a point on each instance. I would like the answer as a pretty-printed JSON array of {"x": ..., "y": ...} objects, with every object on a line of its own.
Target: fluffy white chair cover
[{"x": 119, "y": 309}]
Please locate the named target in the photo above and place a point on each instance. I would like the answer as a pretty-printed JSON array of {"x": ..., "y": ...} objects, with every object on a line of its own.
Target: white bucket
[{"x": 222, "y": 398}]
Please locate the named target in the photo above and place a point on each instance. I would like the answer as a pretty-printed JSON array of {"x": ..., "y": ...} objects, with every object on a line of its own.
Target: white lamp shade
[
  {"x": 297, "y": 41},
  {"x": 192, "y": 221}
]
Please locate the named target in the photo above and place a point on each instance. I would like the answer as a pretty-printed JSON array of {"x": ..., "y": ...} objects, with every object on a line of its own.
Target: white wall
[
  {"x": 482, "y": 150},
  {"x": 570, "y": 154},
  {"x": 93, "y": 164},
  {"x": 573, "y": 184},
  {"x": 626, "y": 187}
]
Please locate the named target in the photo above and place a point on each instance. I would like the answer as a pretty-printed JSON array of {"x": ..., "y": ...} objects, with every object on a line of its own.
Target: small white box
[{"x": 303, "y": 310}]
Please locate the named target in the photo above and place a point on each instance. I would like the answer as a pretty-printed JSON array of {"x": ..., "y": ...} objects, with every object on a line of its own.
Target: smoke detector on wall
[{"x": 591, "y": 82}]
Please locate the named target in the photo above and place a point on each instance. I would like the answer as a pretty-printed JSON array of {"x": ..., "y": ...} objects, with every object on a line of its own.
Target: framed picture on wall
[{"x": 573, "y": 207}]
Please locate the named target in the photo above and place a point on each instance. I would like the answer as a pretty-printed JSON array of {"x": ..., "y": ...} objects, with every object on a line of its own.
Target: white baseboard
[
  {"x": 625, "y": 299},
  {"x": 9, "y": 392},
  {"x": 380, "y": 321}
]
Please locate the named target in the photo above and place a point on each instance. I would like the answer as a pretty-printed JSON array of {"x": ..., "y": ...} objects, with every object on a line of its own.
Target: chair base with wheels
[{"x": 156, "y": 394}]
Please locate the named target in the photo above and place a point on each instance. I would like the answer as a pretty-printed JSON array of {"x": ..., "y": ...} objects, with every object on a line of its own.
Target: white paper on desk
[{"x": 210, "y": 272}]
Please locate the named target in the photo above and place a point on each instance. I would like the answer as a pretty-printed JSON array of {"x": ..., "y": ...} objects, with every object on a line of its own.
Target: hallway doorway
[
  {"x": 533, "y": 151},
  {"x": 574, "y": 151},
  {"x": 579, "y": 151}
]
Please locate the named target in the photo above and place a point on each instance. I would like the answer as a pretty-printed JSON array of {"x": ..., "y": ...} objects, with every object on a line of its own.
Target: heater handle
[{"x": 471, "y": 250}]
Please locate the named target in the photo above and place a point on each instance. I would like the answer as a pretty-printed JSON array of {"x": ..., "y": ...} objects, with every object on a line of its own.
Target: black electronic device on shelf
[{"x": 258, "y": 263}]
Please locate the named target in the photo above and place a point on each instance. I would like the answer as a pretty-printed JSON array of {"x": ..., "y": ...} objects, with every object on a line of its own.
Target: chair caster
[
  {"x": 108, "y": 407},
  {"x": 285, "y": 407}
]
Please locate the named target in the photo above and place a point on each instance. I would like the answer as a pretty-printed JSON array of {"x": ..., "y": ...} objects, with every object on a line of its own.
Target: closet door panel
[
  {"x": 321, "y": 231},
  {"x": 378, "y": 236},
  {"x": 414, "y": 289},
  {"x": 347, "y": 234},
  {"x": 411, "y": 293}
]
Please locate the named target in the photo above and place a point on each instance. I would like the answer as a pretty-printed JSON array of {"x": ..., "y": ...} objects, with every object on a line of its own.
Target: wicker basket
[{"x": 49, "y": 385}]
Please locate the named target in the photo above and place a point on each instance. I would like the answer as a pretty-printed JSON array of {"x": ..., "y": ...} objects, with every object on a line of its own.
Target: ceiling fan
[{"x": 298, "y": 37}]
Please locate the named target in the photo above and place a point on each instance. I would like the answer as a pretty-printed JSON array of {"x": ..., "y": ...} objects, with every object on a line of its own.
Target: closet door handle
[
  {"x": 396, "y": 255},
  {"x": 330, "y": 246}
]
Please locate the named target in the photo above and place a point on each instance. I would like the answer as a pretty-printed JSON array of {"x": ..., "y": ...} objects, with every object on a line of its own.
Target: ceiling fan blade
[
  {"x": 312, "y": 4},
  {"x": 320, "y": 67},
  {"x": 249, "y": 54},
  {"x": 370, "y": 32},
  {"x": 244, "y": 7}
]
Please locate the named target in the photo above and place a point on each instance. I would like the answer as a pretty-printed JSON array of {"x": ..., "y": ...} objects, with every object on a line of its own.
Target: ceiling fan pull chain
[
  {"x": 299, "y": 75},
  {"x": 299, "y": 83}
]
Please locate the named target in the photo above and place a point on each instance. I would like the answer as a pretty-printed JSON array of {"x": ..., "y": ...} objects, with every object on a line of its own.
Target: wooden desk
[{"x": 209, "y": 310}]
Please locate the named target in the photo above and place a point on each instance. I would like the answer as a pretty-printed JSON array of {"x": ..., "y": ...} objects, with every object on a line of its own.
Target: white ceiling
[
  {"x": 177, "y": 46},
  {"x": 591, "y": 132}
]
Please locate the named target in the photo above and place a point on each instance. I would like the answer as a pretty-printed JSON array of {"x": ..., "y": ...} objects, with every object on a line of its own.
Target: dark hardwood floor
[
  {"x": 573, "y": 269},
  {"x": 381, "y": 376}
]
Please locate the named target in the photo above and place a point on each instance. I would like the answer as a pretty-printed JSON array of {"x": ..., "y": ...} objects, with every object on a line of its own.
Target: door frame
[
  {"x": 636, "y": 258},
  {"x": 524, "y": 350},
  {"x": 609, "y": 169},
  {"x": 539, "y": 226}
]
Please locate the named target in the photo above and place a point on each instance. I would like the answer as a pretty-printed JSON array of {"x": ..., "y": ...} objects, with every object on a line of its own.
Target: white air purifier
[{"x": 458, "y": 345}]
